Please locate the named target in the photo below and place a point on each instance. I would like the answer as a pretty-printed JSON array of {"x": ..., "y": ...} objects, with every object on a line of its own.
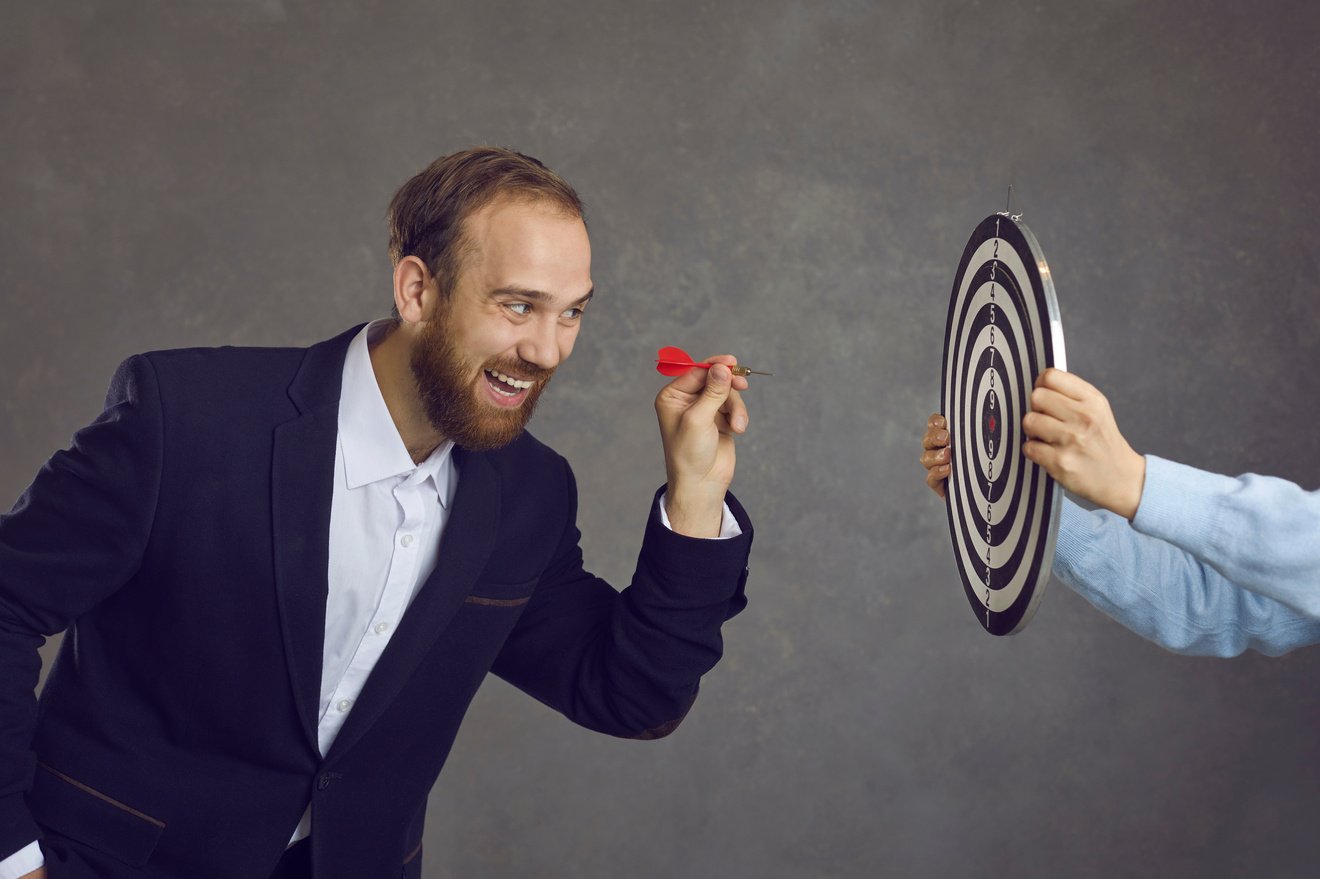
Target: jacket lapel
[
  {"x": 302, "y": 487},
  {"x": 468, "y": 541}
]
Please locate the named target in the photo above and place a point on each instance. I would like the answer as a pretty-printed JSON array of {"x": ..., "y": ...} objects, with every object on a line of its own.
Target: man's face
[{"x": 487, "y": 352}]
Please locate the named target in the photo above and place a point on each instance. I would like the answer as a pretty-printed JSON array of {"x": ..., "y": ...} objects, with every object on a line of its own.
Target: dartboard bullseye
[{"x": 1003, "y": 329}]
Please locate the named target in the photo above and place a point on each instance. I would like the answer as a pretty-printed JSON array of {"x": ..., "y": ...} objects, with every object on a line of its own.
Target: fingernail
[
  {"x": 942, "y": 436},
  {"x": 740, "y": 423},
  {"x": 720, "y": 372}
]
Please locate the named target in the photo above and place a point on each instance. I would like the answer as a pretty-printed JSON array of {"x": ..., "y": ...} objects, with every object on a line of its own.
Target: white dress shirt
[{"x": 387, "y": 515}]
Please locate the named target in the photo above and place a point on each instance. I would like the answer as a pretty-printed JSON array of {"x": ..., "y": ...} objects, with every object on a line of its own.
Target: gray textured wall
[{"x": 793, "y": 182}]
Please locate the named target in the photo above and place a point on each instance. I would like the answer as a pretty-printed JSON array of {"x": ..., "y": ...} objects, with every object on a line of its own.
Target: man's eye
[
  {"x": 574, "y": 313},
  {"x": 521, "y": 309}
]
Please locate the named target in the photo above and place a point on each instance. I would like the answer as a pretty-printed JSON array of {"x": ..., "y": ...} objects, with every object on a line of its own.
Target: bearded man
[{"x": 285, "y": 572}]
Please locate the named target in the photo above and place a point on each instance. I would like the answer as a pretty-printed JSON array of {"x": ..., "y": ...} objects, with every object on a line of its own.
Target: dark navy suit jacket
[{"x": 182, "y": 540}]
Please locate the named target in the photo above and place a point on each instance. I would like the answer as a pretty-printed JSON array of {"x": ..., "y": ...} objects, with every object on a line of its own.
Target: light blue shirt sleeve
[{"x": 1210, "y": 565}]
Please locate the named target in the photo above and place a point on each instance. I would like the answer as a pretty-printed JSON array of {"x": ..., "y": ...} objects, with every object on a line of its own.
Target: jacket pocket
[
  {"x": 93, "y": 818},
  {"x": 502, "y": 594}
]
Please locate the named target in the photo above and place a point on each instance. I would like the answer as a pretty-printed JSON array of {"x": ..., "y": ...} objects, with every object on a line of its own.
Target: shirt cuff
[
  {"x": 728, "y": 528},
  {"x": 1180, "y": 503},
  {"x": 23, "y": 861}
]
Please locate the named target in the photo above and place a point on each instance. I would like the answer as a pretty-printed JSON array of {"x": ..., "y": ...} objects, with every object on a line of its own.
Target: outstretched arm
[
  {"x": 1168, "y": 595},
  {"x": 1259, "y": 532},
  {"x": 1159, "y": 590}
]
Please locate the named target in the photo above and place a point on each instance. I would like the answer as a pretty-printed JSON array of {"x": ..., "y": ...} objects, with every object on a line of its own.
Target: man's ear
[{"x": 415, "y": 289}]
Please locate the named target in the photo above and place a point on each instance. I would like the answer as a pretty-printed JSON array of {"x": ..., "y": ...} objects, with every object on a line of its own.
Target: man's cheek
[{"x": 567, "y": 342}]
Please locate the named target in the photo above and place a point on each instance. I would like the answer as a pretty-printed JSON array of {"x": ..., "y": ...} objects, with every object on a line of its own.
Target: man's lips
[{"x": 503, "y": 394}]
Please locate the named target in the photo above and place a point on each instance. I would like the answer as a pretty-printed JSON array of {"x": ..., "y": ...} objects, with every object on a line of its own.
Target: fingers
[
  {"x": 935, "y": 458},
  {"x": 937, "y": 454},
  {"x": 714, "y": 395},
  {"x": 720, "y": 394},
  {"x": 735, "y": 411},
  {"x": 740, "y": 382},
  {"x": 1053, "y": 403},
  {"x": 935, "y": 478},
  {"x": 1065, "y": 383},
  {"x": 1057, "y": 416},
  {"x": 1044, "y": 428},
  {"x": 689, "y": 383},
  {"x": 694, "y": 380},
  {"x": 936, "y": 436},
  {"x": 1043, "y": 454}
]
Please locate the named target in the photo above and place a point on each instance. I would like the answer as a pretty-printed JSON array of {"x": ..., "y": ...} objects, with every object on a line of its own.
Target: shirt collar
[{"x": 368, "y": 439}]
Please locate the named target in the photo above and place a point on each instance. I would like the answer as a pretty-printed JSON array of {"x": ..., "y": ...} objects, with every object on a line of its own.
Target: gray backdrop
[{"x": 793, "y": 182}]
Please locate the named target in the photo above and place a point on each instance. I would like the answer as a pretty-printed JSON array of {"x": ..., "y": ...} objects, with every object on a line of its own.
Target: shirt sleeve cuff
[
  {"x": 23, "y": 861},
  {"x": 1179, "y": 503},
  {"x": 728, "y": 528}
]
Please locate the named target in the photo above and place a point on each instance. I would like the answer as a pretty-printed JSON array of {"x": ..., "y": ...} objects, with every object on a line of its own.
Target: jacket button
[{"x": 324, "y": 781}]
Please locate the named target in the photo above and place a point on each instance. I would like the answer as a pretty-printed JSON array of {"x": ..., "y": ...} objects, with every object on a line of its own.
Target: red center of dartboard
[{"x": 992, "y": 423}]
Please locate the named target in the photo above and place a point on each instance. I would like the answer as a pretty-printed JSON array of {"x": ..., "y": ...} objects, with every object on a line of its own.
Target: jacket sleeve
[
  {"x": 628, "y": 663},
  {"x": 1166, "y": 594},
  {"x": 74, "y": 536}
]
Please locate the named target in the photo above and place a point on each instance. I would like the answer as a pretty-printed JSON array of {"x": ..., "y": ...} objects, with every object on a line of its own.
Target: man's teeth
[{"x": 518, "y": 384}]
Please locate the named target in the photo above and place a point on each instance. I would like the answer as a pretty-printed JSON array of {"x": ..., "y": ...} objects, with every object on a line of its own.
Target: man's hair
[{"x": 427, "y": 214}]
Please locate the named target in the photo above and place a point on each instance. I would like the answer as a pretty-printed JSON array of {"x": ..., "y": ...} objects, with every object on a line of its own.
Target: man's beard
[{"x": 449, "y": 394}]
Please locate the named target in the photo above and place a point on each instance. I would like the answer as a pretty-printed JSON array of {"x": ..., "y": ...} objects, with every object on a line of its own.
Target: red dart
[{"x": 675, "y": 361}]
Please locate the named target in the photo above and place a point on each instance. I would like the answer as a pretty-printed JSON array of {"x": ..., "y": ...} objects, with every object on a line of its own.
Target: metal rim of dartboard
[{"x": 1003, "y": 329}]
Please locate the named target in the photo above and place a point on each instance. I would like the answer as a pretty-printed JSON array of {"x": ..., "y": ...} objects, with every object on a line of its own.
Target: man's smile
[{"x": 505, "y": 390}]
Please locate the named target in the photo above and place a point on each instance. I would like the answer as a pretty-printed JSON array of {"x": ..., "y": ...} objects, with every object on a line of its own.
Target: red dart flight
[{"x": 673, "y": 361}]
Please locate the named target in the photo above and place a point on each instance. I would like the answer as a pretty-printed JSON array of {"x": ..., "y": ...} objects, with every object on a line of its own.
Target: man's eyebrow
[{"x": 538, "y": 295}]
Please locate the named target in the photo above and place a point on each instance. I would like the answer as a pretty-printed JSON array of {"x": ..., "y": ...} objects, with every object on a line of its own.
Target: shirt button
[
  {"x": 407, "y": 540},
  {"x": 344, "y": 704},
  {"x": 382, "y": 628}
]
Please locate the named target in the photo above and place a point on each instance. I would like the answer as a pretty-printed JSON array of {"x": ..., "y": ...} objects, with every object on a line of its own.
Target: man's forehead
[
  {"x": 509, "y": 217},
  {"x": 531, "y": 247}
]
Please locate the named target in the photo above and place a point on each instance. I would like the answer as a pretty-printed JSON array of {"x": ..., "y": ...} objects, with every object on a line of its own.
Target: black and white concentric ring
[{"x": 1003, "y": 329}]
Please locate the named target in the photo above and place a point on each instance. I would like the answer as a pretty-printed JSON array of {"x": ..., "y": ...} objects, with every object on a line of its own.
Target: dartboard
[{"x": 1003, "y": 329}]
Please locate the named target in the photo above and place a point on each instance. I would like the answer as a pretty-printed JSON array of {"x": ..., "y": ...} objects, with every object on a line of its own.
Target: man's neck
[{"x": 390, "y": 361}]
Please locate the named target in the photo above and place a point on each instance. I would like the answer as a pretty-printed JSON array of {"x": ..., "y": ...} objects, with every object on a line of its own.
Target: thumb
[{"x": 719, "y": 381}]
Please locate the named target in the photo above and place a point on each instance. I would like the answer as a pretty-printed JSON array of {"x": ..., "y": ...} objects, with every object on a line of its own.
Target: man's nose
[{"x": 541, "y": 345}]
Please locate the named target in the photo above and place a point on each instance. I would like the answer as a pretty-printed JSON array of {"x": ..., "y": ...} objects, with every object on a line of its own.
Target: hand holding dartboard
[{"x": 1003, "y": 329}]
